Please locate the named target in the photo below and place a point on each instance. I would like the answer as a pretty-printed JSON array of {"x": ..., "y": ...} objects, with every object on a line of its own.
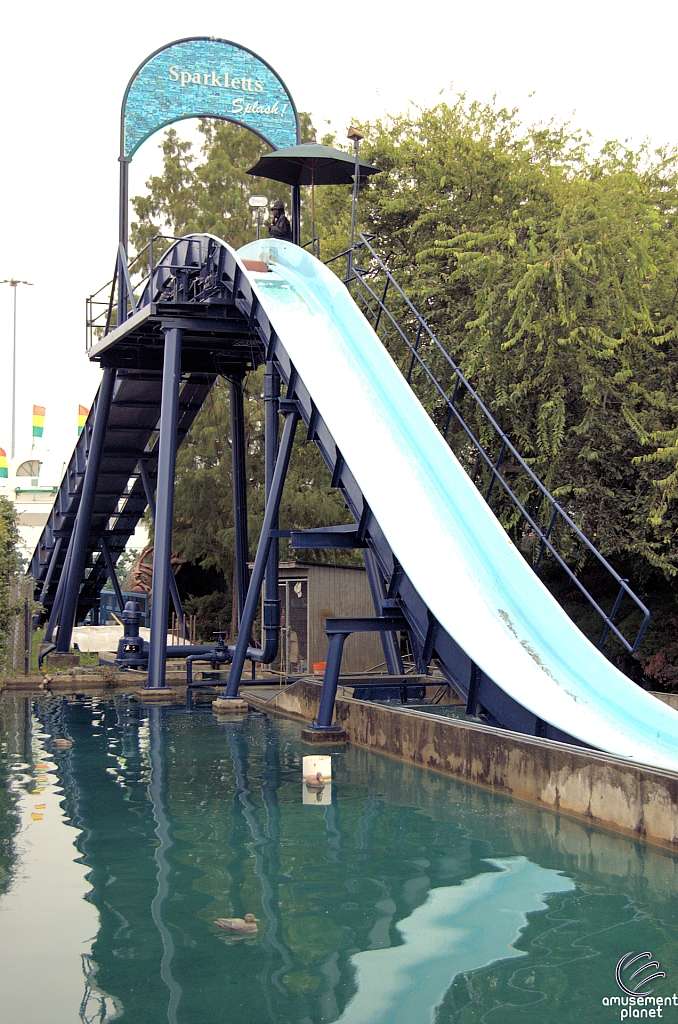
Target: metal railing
[
  {"x": 101, "y": 308},
  {"x": 539, "y": 523}
]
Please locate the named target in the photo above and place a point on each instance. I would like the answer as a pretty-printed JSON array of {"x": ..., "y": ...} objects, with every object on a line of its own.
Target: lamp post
[
  {"x": 14, "y": 284},
  {"x": 355, "y": 135},
  {"x": 258, "y": 203}
]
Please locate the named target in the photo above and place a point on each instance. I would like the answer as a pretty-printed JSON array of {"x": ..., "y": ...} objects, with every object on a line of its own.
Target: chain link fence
[{"x": 18, "y": 651}]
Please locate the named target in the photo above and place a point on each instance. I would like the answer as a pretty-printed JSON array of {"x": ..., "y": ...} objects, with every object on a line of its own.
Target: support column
[
  {"x": 296, "y": 215},
  {"x": 162, "y": 544},
  {"x": 262, "y": 556},
  {"x": 239, "y": 471},
  {"x": 328, "y": 694},
  {"x": 271, "y": 595},
  {"x": 150, "y": 501},
  {"x": 389, "y": 641},
  {"x": 78, "y": 546},
  {"x": 51, "y": 569}
]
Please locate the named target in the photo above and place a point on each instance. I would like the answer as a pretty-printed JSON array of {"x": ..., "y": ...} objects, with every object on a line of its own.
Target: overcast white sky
[{"x": 609, "y": 67}]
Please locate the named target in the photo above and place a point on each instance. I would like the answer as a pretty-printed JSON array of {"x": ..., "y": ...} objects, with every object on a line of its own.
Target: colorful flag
[
  {"x": 3, "y": 464},
  {"x": 83, "y": 413},
  {"x": 38, "y": 420}
]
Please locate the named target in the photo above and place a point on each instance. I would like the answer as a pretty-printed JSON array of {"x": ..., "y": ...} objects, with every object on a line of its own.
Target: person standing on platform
[{"x": 279, "y": 226}]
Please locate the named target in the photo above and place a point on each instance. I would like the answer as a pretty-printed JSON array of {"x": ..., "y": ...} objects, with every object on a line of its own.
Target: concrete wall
[
  {"x": 668, "y": 698},
  {"x": 603, "y": 790}
]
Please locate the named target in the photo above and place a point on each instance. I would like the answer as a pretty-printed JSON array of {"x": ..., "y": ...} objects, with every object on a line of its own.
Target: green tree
[
  {"x": 550, "y": 275},
  {"x": 203, "y": 517},
  {"x": 10, "y": 570},
  {"x": 549, "y": 272},
  {"x": 209, "y": 195}
]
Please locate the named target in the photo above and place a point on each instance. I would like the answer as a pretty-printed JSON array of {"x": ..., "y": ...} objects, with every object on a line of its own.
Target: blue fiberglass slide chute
[{"x": 452, "y": 548}]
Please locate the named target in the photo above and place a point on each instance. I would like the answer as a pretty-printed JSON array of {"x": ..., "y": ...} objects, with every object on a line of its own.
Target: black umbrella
[{"x": 311, "y": 164}]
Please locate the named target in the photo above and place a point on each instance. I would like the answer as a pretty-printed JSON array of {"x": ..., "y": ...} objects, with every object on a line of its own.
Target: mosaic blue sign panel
[{"x": 207, "y": 78}]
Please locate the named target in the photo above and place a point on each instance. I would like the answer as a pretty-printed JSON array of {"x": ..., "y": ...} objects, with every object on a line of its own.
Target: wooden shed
[{"x": 310, "y": 594}]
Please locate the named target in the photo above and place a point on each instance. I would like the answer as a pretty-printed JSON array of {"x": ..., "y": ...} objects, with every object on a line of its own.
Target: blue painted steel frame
[
  {"x": 267, "y": 542},
  {"x": 429, "y": 641},
  {"x": 130, "y": 435},
  {"x": 162, "y": 544},
  {"x": 78, "y": 546},
  {"x": 239, "y": 475}
]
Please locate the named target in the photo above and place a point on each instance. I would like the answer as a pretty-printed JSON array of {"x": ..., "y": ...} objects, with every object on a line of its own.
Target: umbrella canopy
[{"x": 311, "y": 164}]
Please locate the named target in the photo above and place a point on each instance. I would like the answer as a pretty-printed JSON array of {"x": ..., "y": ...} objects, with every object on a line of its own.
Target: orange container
[{"x": 319, "y": 668}]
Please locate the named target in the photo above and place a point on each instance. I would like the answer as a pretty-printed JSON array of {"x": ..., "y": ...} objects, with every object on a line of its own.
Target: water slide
[{"x": 452, "y": 548}]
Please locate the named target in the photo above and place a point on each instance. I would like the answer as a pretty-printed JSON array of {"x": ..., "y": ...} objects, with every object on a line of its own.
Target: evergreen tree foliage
[
  {"x": 209, "y": 196},
  {"x": 10, "y": 569},
  {"x": 550, "y": 275},
  {"x": 203, "y": 510}
]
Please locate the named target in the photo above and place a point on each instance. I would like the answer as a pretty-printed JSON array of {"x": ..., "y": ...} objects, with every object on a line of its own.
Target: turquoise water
[{"x": 410, "y": 898}]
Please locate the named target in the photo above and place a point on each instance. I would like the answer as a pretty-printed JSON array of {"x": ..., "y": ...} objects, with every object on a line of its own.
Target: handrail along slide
[
  {"x": 220, "y": 304},
  {"x": 370, "y": 286}
]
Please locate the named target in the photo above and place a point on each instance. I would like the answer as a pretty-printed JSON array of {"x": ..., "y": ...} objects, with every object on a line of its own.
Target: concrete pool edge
[{"x": 607, "y": 791}]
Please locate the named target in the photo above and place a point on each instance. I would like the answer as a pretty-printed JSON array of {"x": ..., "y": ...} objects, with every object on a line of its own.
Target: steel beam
[
  {"x": 162, "y": 543},
  {"x": 51, "y": 568},
  {"x": 239, "y": 476},
  {"x": 105, "y": 551},
  {"x": 78, "y": 546},
  {"x": 150, "y": 500},
  {"x": 266, "y": 543},
  {"x": 337, "y": 631},
  {"x": 344, "y": 536},
  {"x": 389, "y": 641}
]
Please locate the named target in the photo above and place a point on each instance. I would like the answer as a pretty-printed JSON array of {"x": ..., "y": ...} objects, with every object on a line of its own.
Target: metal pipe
[
  {"x": 494, "y": 472},
  {"x": 162, "y": 543},
  {"x": 122, "y": 226},
  {"x": 43, "y": 654},
  {"x": 239, "y": 471},
  {"x": 242, "y": 650},
  {"x": 77, "y": 549},
  {"x": 609, "y": 622},
  {"x": 355, "y": 136},
  {"x": 150, "y": 501}
]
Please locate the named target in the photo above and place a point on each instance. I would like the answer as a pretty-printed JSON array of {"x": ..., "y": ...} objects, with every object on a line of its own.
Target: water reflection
[
  {"x": 411, "y": 897},
  {"x": 14, "y": 748},
  {"x": 157, "y": 794},
  {"x": 44, "y": 916},
  {"x": 459, "y": 928}
]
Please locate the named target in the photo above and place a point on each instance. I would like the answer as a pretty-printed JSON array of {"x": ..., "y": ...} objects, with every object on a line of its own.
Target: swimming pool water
[{"x": 410, "y": 898}]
